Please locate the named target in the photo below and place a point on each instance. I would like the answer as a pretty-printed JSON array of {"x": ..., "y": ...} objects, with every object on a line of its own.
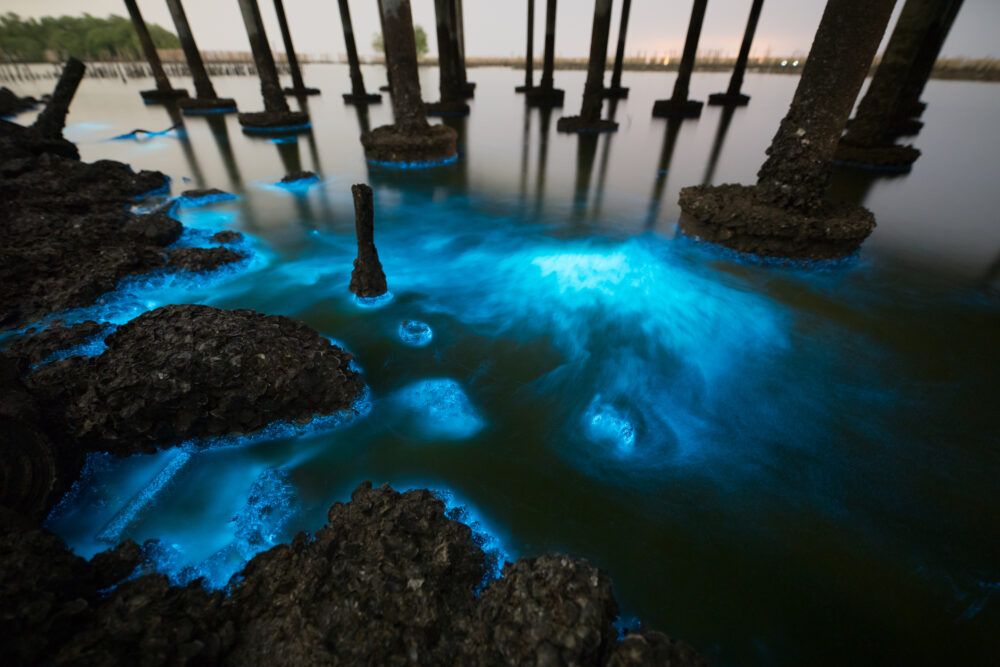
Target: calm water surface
[{"x": 780, "y": 465}]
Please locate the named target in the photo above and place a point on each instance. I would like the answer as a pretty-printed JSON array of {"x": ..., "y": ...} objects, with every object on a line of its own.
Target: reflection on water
[{"x": 779, "y": 464}]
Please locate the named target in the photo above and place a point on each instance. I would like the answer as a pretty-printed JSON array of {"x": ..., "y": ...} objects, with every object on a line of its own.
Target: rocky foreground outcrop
[
  {"x": 389, "y": 580},
  {"x": 67, "y": 234}
]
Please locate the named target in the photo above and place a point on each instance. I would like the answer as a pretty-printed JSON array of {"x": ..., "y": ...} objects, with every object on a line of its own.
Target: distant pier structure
[
  {"x": 206, "y": 100},
  {"x": 163, "y": 91},
  {"x": 679, "y": 105},
  {"x": 298, "y": 86},
  {"x": 545, "y": 94},
  {"x": 529, "y": 58},
  {"x": 734, "y": 97},
  {"x": 358, "y": 94},
  {"x": 615, "y": 90},
  {"x": 589, "y": 120}
]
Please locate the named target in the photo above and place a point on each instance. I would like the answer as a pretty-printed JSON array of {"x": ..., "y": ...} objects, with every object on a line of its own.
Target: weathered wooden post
[
  {"x": 367, "y": 278},
  {"x": 545, "y": 94},
  {"x": 385, "y": 52},
  {"x": 207, "y": 101},
  {"x": 50, "y": 122},
  {"x": 679, "y": 106},
  {"x": 615, "y": 90},
  {"x": 298, "y": 85},
  {"x": 590, "y": 119},
  {"x": 786, "y": 214},
  {"x": 450, "y": 80},
  {"x": 276, "y": 117},
  {"x": 733, "y": 97},
  {"x": 529, "y": 58},
  {"x": 869, "y": 139},
  {"x": 410, "y": 141},
  {"x": 358, "y": 94},
  {"x": 163, "y": 90}
]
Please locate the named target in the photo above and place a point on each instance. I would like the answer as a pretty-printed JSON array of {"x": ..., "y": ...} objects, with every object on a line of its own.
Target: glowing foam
[
  {"x": 417, "y": 334},
  {"x": 373, "y": 301},
  {"x": 415, "y": 164},
  {"x": 604, "y": 424},
  {"x": 441, "y": 409},
  {"x": 204, "y": 200}
]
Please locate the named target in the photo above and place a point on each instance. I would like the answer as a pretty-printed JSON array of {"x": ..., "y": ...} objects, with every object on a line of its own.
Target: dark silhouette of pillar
[
  {"x": 163, "y": 90},
  {"x": 545, "y": 94},
  {"x": 410, "y": 139},
  {"x": 787, "y": 213},
  {"x": 450, "y": 79},
  {"x": 358, "y": 94},
  {"x": 468, "y": 88},
  {"x": 725, "y": 119},
  {"x": 50, "y": 122},
  {"x": 545, "y": 122},
  {"x": 733, "y": 96},
  {"x": 679, "y": 106},
  {"x": 276, "y": 117},
  {"x": 602, "y": 173},
  {"x": 368, "y": 278},
  {"x": 615, "y": 90},
  {"x": 909, "y": 105},
  {"x": 663, "y": 170},
  {"x": 298, "y": 85},
  {"x": 207, "y": 101},
  {"x": 590, "y": 119},
  {"x": 529, "y": 59},
  {"x": 381, "y": 21},
  {"x": 869, "y": 140}
]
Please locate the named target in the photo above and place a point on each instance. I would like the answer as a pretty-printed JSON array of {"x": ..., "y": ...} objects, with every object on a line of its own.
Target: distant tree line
[{"x": 86, "y": 37}]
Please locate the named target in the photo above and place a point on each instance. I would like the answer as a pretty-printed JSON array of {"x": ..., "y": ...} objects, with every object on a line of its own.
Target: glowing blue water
[
  {"x": 417, "y": 334},
  {"x": 204, "y": 200},
  {"x": 414, "y": 164},
  {"x": 440, "y": 409},
  {"x": 277, "y": 129}
]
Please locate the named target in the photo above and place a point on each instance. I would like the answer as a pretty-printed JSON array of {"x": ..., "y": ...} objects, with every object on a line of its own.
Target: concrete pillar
[
  {"x": 589, "y": 119},
  {"x": 545, "y": 94},
  {"x": 207, "y": 101},
  {"x": 529, "y": 58},
  {"x": 733, "y": 96},
  {"x": 276, "y": 115},
  {"x": 368, "y": 278},
  {"x": 869, "y": 141},
  {"x": 163, "y": 91},
  {"x": 679, "y": 106},
  {"x": 468, "y": 88},
  {"x": 298, "y": 85},
  {"x": 358, "y": 94},
  {"x": 615, "y": 90},
  {"x": 51, "y": 121},
  {"x": 450, "y": 79},
  {"x": 410, "y": 139},
  {"x": 787, "y": 214},
  {"x": 910, "y": 106}
]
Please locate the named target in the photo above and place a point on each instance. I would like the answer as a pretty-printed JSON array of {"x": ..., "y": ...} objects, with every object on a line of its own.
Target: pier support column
[
  {"x": 50, "y": 122},
  {"x": 410, "y": 141},
  {"x": 868, "y": 143},
  {"x": 733, "y": 97},
  {"x": 163, "y": 90},
  {"x": 358, "y": 94},
  {"x": 385, "y": 52},
  {"x": 590, "y": 119},
  {"x": 910, "y": 108},
  {"x": 529, "y": 59},
  {"x": 276, "y": 117},
  {"x": 679, "y": 106},
  {"x": 298, "y": 85},
  {"x": 615, "y": 90},
  {"x": 545, "y": 94},
  {"x": 786, "y": 214},
  {"x": 207, "y": 101},
  {"x": 458, "y": 19},
  {"x": 450, "y": 79}
]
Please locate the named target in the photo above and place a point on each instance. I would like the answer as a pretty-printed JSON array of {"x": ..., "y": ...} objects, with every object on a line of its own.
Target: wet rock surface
[
  {"x": 390, "y": 144},
  {"x": 182, "y": 372},
  {"x": 299, "y": 176},
  {"x": 36, "y": 346},
  {"x": 203, "y": 259},
  {"x": 733, "y": 216},
  {"x": 66, "y": 234},
  {"x": 227, "y": 236},
  {"x": 389, "y": 580},
  {"x": 11, "y": 103}
]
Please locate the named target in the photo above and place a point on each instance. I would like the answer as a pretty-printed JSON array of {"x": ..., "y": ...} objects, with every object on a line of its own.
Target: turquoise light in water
[
  {"x": 605, "y": 425},
  {"x": 440, "y": 409},
  {"x": 414, "y": 333},
  {"x": 373, "y": 301},
  {"x": 415, "y": 164},
  {"x": 204, "y": 200}
]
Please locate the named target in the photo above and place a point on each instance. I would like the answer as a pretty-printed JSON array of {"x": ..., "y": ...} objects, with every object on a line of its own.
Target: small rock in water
[
  {"x": 227, "y": 236},
  {"x": 417, "y": 334}
]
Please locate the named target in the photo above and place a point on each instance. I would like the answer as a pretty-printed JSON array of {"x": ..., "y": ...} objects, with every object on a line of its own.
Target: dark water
[{"x": 780, "y": 465}]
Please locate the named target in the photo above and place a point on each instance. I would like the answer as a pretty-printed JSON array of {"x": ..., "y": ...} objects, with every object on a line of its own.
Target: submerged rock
[
  {"x": 182, "y": 372},
  {"x": 11, "y": 103},
  {"x": 227, "y": 236},
  {"x": 299, "y": 176},
  {"x": 36, "y": 346},
  {"x": 203, "y": 259}
]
